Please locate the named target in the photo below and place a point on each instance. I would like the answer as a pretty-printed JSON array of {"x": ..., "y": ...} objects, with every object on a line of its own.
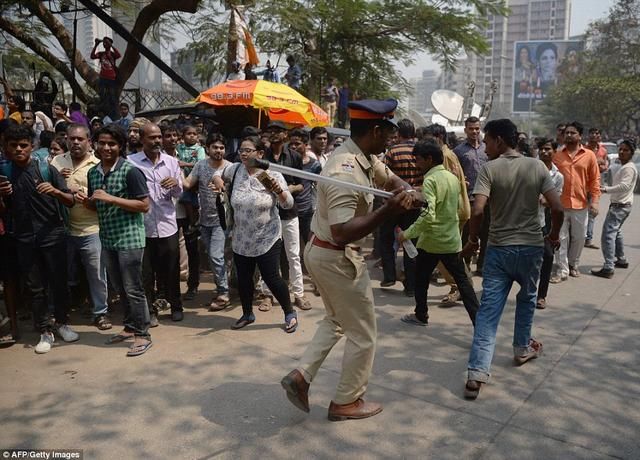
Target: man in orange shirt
[
  {"x": 602, "y": 156},
  {"x": 579, "y": 167}
]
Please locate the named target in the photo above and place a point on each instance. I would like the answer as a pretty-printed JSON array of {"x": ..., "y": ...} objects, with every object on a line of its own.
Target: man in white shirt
[{"x": 621, "y": 192}]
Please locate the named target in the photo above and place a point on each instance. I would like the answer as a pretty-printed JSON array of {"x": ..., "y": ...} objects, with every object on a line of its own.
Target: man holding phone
[{"x": 31, "y": 194}]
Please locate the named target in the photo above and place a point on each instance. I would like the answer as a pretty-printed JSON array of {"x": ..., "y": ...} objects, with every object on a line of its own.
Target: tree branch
[
  {"x": 37, "y": 47},
  {"x": 65, "y": 39},
  {"x": 146, "y": 18}
]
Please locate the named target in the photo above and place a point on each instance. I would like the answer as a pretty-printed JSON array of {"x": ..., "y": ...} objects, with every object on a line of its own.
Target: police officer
[{"x": 343, "y": 217}]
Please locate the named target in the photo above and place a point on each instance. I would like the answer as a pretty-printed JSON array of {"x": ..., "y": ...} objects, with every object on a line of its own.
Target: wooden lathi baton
[
  {"x": 408, "y": 245},
  {"x": 264, "y": 164}
]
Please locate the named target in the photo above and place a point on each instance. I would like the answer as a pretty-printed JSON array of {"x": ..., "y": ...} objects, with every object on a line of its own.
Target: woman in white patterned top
[{"x": 257, "y": 234}]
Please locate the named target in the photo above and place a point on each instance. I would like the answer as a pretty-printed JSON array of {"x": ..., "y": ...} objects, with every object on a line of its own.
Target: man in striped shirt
[{"x": 402, "y": 162}]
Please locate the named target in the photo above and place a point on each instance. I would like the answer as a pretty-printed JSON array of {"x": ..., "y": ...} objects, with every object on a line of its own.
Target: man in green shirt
[{"x": 437, "y": 232}]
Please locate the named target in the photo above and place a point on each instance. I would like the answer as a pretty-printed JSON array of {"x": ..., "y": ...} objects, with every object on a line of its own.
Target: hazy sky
[{"x": 582, "y": 13}]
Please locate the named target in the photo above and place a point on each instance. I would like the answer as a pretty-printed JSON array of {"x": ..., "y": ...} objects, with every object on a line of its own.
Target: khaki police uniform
[{"x": 341, "y": 275}]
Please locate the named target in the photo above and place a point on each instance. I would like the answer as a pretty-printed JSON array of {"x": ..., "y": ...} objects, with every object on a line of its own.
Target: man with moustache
[
  {"x": 161, "y": 265},
  {"x": 83, "y": 240}
]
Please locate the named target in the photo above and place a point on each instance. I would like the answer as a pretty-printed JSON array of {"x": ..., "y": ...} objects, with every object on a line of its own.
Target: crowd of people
[{"x": 109, "y": 207}]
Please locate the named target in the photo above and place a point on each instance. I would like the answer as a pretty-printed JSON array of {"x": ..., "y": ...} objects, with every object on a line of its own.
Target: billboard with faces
[{"x": 539, "y": 66}]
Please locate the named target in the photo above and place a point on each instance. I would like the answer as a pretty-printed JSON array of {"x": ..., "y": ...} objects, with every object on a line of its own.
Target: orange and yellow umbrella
[{"x": 280, "y": 102}]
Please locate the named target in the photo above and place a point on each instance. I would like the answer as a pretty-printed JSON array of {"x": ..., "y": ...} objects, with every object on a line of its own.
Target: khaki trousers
[{"x": 343, "y": 281}]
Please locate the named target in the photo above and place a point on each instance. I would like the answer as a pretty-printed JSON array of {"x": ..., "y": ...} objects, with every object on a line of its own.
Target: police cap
[{"x": 373, "y": 109}]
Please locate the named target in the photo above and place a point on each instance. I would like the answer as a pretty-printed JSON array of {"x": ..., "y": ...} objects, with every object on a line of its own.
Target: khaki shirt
[
  {"x": 337, "y": 205},
  {"x": 82, "y": 221}
]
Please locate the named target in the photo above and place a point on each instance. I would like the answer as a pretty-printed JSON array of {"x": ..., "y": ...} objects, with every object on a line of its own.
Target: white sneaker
[
  {"x": 46, "y": 340},
  {"x": 67, "y": 334}
]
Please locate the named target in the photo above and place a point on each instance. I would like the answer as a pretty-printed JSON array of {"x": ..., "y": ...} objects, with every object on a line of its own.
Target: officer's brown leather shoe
[
  {"x": 297, "y": 389},
  {"x": 355, "y": 410}
]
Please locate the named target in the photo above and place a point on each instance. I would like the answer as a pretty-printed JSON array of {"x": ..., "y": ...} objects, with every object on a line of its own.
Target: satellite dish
[
  {"x": 440, "y": 120},
  {"x": 447, "y": 103},
  {"x": 476, "y": 110}
]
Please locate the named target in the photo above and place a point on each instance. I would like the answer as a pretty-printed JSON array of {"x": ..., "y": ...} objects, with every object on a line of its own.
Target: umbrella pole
[{"x": 259, "y": 116}]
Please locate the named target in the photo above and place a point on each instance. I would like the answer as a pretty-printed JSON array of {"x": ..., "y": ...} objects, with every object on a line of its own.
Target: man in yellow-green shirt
[{"x": 437, "y": 232}]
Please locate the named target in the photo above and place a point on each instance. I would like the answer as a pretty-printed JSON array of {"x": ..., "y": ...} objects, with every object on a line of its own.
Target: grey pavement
[{"x": 204, "y": 391}]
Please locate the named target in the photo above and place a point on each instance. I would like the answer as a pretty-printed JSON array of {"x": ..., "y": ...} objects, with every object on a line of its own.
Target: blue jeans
[
  {"x": 125, "y": 273},
  {"x": 89, "y": 249},
  {"x": 611, "y": 241},
  {"x": 502, "y": 266},
  {"x": 213, "y": 239}
]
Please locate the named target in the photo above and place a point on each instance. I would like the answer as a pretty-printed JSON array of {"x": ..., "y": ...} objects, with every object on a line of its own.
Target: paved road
[{"x": 204, "y": 391}]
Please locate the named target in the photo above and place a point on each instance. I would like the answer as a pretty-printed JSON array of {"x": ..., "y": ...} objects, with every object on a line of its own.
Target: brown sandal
[{"x": 265, "y": 304}]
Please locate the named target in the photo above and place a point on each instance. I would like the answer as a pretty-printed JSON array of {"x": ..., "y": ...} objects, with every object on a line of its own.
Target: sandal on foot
[
  {"x": 290, "y": 323},
  {"x": 541, "y": 304},
  {"x": 122, "y": 337},
  {"x": 220, "y": 303},
  {"x": 140, "y": 349},
  {"x": 265, "y": 304},
  {"x": 102, "y": 323},
  {"x": 472, "y": 389},
  {"x": 7, "y": 340},
  {"x": 243, "y": 321},
  {"x": 411, "y": 318}
]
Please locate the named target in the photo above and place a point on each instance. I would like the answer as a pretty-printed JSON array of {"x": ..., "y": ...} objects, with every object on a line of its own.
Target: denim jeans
[
  {"x": 89, "y": 249},
  {"x": 125, "y": 274},
  {"x": 502, "y": 266},
  {"x": 611, "y": 241},
  {"x": 213, "y": 239}
]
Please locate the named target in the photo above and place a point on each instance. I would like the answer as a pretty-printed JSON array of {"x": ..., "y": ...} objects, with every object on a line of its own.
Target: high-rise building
[
  {"x": 183, "y": 62},
  {"x": 421, "y": 89},
  {"x": 527, "y": 20},
  {"x": 146, "y": 75}
]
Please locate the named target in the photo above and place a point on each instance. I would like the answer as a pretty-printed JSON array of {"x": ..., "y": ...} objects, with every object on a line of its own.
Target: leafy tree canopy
[
  {"x": 356, "y": 41},
  {"x": 606, "y": 91}
]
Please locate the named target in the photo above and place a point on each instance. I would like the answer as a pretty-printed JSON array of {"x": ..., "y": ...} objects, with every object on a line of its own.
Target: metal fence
[{"x": 138, "y": 98}]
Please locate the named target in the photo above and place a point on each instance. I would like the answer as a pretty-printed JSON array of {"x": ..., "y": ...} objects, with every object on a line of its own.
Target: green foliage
[
  {"x": 606, "y": 91},
  {"x": 356, "y": 41}
]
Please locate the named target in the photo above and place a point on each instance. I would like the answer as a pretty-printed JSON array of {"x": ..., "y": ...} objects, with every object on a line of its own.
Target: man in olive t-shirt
[{"x": 512, "y": 185}]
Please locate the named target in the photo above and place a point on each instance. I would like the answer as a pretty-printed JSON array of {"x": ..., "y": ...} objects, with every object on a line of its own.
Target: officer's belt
[{"x": 325, "y": 244}]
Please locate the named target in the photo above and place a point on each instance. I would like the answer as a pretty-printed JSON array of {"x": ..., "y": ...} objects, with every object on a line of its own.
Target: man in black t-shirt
[{"x": 32, "y": 193}]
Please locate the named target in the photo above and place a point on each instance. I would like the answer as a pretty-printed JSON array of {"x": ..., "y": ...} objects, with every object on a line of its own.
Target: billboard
[{"x": 539, "y": 66}]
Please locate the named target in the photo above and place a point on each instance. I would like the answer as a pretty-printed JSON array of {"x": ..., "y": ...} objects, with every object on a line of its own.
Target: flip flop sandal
[
  {"x": 541, "y": 304},
  {"x": 215, "y": 306},
  {"x": 291, "y": 323},
  {"x": 412, "y": 319},
  {"x": 242, "y": 322},
  {"x": 137, "y": 350},
  {"x": 118, "y": 338},
  {"x": 265, "y": 304},
  {"x": 223, "y": 301}
]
